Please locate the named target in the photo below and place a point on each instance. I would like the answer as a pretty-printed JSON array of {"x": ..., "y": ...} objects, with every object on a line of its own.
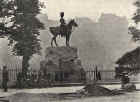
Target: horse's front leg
[
  {"x": 67, "y": 43},
  {"x": 67, "y": 40}
]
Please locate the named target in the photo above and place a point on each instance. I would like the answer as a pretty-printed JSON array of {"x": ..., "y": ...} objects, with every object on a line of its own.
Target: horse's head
[{"x": 73, "y": 23}]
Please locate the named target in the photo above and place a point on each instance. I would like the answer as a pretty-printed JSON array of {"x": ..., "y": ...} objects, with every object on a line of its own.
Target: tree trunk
[{"x": 25, "y": 65}]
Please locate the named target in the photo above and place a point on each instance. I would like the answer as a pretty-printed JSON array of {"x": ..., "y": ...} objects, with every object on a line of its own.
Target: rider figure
[{"x": 62, "y": 24}]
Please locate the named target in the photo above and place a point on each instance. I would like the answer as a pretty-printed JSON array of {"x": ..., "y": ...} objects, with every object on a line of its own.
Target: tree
[
  {"x": 23, "y": 34},
  {"x": 134, "y": 31},
  {"x": 129, "y": 62}
]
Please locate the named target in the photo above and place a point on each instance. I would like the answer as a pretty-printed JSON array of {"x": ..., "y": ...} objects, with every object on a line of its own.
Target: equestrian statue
[{"x": 64, "y": 30}]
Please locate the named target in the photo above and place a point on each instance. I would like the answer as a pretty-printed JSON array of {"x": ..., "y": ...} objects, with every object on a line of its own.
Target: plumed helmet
[{"x": 62, "y": 14}]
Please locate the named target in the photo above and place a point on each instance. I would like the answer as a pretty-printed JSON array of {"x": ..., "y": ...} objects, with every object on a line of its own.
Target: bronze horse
[{"x": 55, "y": 31}]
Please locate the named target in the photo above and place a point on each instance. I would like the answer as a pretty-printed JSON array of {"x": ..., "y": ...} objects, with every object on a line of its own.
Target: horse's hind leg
[
  {"x": 55, "y": 41},
  {"x": 52, "y": 41}
]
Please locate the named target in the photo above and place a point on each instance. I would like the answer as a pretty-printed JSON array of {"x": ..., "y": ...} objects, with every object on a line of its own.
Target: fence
[
  {"x": 12, "y": 74},
  {"x": 106, "y": 75}
]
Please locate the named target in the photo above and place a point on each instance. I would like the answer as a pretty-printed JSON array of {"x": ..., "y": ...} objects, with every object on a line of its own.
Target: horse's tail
[{"x": 51, "y": 29}]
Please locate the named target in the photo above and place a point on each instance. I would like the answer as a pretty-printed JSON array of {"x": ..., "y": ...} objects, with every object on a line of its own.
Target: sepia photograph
[{"x": 69, "y": 50}]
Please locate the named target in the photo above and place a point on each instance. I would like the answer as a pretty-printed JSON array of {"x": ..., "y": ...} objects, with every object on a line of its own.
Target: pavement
[{"x": 54, "y": 90}]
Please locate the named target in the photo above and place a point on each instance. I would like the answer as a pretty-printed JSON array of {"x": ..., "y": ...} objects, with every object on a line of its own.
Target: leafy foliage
[
  {"x": 6, "y": 7},
  {"x": 26, "y": 28},
  {"x": 136, "y": 18}
]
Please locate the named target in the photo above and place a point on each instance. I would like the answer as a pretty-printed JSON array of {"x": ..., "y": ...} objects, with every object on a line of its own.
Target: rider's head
[{"x": 62, "y": 14}]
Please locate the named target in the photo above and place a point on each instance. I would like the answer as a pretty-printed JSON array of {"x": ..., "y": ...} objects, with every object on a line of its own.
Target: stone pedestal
[{"x": 63, "y": 64}]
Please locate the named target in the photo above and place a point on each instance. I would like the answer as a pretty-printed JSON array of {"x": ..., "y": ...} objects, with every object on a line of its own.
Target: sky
[{"x": 89, "y": 8}]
